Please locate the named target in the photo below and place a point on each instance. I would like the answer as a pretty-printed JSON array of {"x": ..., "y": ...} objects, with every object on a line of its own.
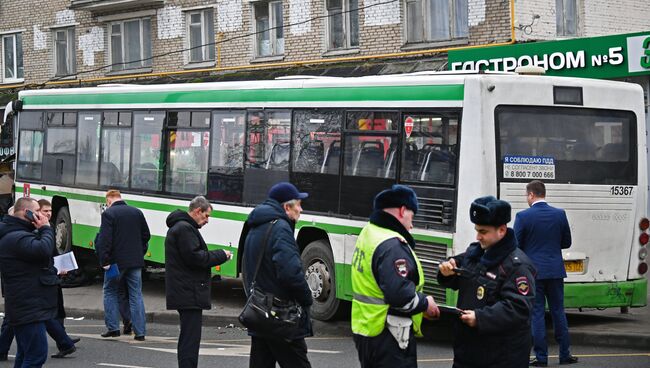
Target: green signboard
[{"x": 605, "y": 57}]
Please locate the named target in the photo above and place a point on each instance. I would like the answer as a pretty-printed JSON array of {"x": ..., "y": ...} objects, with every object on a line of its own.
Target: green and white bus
[{"x": 451, "y": 137}]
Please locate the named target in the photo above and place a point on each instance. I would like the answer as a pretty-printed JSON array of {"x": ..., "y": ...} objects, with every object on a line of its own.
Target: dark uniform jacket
[
  {"x": 281, "y": 271},
  {"x": 123, "y": 237},
  {"x": 188, "y": 263},
  {"x": 29, "y": 283},
  {"x": 499, "y": 285},
  {"x": 395, "y": 269}
]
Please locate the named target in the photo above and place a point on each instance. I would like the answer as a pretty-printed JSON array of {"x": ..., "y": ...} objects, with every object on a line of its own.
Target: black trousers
[
  {"x": 265, "y": 352},
  {"x": 382, "y": 351},
  {"x": 189, "y": 340}
]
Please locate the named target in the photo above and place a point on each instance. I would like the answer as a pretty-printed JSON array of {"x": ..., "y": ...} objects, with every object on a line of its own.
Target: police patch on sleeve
[
  {"x": 522, "y": 285},
  {"x": 400, "y": 267}
]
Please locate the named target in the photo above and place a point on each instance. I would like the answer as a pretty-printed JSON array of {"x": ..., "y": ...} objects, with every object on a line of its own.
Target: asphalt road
[{"x": 229, "y": 347}]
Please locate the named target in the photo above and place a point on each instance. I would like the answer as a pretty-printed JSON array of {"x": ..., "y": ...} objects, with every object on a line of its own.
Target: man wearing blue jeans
[{"x": 122, "y": 241}]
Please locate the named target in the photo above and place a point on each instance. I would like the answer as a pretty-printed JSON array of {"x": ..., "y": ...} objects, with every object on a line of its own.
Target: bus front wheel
[
  {"x": 63, "y": 229},
  {"x": 319, "y": 272}
]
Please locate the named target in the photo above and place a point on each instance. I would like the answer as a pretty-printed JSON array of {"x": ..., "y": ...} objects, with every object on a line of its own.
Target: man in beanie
[
  {"x": 496, "y": 292},
  {"x": 280, "y": 274},
  {"x": 387, "y": 281}
]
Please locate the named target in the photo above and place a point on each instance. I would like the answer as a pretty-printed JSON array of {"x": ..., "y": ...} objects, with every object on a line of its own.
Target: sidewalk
[{"x": 605, "y": 327}]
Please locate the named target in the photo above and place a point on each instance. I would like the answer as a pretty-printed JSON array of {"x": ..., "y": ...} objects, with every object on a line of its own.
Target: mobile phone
[{"x": 30, "y": 215}]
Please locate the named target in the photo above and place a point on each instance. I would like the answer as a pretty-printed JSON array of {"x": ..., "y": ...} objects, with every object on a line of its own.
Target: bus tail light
[
  {"x": 643, "y": 268},
  {"x": 643, "y": 238},
  {"x": 643, "y": 253},
  {"x": 644, "y": 224}
]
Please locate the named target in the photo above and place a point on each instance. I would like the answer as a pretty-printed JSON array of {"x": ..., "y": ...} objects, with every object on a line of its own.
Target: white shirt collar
[{"x": 538, "y": 201}]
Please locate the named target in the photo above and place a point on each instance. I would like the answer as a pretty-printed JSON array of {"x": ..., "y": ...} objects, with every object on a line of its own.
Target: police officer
[
  {"x": 496, "y": 285},
  {"x": 387, "y": 280}
]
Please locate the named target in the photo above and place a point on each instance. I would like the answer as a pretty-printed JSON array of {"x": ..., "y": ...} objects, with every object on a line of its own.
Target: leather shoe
[
  {"x": 139, "y": 338},
  {"x": 570, "y": 360},
  {"x": 115, "y": 333},
  {"x": 537, "y": 363},
  {"x": 63, "y": 353},
  {"x": 75, "y": 340},
  {"x": 128, "y": 328}
]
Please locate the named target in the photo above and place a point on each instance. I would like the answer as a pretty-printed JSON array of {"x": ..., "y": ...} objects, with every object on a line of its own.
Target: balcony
[{"x": 104, "y": 6}]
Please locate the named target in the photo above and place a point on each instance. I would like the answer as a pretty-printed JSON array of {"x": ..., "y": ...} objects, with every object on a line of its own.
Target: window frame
[
  {"x": 123, "y": 64},
  {"x": 273, "y": 28},
  {"x": 346, "y": 25},
  {"x": 16, "y": 68},
  {"x": 426, "y": 22},
  {"x": 207, "y": 40},
  {"x": 71, "y": 51},
  {"x": 561, "y": 25}
]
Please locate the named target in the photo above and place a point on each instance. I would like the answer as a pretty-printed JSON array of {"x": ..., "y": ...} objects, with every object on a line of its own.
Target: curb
[{"x": 629, "y": 340}]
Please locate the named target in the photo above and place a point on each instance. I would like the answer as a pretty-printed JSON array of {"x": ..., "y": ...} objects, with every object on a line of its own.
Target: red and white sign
[
  {"x": 408, "y": 126},
  {"x": 26, "y": 190}
]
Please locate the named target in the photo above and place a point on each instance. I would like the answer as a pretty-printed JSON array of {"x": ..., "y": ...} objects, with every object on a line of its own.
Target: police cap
[{"x": 489, "y": 211}]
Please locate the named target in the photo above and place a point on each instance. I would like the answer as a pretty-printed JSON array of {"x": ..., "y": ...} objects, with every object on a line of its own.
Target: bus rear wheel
[
  {"x": 319, "y": 272},
  {"x": 63, "y": 231}
]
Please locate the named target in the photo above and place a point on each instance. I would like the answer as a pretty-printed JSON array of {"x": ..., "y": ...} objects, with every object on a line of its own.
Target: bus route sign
[{"x": 528, "y": 167}]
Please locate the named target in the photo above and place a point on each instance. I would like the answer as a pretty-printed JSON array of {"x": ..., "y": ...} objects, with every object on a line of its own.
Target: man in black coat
[
  {"x": 123, "y": 240},
  {"x": 280, "y": 274},
  {"x": 30, "y": 286},
  {"x": 187, "y": 275},
  {"x": 496, "y": 292}
]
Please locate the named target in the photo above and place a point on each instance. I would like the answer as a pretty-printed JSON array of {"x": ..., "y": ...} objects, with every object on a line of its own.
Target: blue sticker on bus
[{"x": 528, "y": 167}]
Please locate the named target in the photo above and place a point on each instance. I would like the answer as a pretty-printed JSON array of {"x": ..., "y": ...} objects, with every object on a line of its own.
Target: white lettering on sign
[
  {"x": 553, "y": 61},
  {"x": 528, "y": 167}
]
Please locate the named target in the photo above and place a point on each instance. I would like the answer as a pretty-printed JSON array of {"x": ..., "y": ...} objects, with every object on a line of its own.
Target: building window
[
  {"x": 566, "y": 15},
  {"x": 64, "y": 52},
  {"x": 200, "y": 35},
  {"x": 130, "y": 44},
  {"x": 269, "y": 28},
  {"x": 12, "y": 57},
  {"x": 436, "y": 20},
  {"x": 343, "y": 18}
]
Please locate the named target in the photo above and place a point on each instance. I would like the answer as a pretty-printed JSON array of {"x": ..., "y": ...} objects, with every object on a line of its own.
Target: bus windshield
[{"x": 585, "y": 146}]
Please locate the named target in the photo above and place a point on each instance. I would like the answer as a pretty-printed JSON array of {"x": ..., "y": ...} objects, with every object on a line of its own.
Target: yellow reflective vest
[{"x": 369, "y": 310}]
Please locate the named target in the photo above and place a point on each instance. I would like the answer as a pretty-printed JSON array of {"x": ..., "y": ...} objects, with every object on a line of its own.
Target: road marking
[
  {"x": 121, "y": 365},
  {"x": 229, "y": 350},
  {"x": 612, "y": 355},
  {"x": 436, "y": 360}
]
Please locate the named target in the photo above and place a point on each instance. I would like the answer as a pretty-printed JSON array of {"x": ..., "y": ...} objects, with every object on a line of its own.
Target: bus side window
[{"x": 332, "y": 156}]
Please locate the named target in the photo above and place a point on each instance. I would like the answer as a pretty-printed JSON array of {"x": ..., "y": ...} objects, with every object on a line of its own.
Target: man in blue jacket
[
  {"x": 542, "y": 232},
  {"x": 29, "y": 284},
  {"x": 123, "y": 240},
  {"x": 280, "y": 273}
]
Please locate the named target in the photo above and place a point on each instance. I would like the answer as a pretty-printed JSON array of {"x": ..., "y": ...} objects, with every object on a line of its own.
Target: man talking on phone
[
  {"x": 496, "y": 292},
  {"x": 30, "y": 286}
]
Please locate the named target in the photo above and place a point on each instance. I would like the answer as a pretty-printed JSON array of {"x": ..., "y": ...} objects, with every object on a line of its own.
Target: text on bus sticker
[{"x": 528, "y": 167}]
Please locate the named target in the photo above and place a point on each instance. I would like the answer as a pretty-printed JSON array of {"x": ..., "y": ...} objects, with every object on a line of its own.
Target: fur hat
[
  {"x": 489, "y": 211},
  {"x": 395, "y": 197}
]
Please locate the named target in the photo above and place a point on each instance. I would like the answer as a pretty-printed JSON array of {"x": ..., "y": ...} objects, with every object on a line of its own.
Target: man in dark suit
[
  {"x": 542, "y": 232},
  {"x": 123, "y": 240}
]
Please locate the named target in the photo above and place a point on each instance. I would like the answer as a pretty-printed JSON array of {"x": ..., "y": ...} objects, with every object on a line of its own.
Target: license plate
[{"x": 574, "y": 266}]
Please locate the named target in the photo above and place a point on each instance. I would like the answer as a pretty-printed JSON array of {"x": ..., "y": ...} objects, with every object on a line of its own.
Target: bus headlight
[
  {"x": 643, "y": 238},
  {"x": 643, "y": 253},
  {"x": 644, "y": 224},
  {"x": 643, "y": 268}
]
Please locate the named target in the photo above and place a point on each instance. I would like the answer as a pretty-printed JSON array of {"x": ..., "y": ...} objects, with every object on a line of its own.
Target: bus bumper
[{"x": 631, "y": 293}]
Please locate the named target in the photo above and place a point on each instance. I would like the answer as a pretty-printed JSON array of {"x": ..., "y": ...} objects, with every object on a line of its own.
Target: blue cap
[
  {"x": 395, "y": 197},
  {"x": 285, "y": 192},
  {"x": 489, "y": 211}
]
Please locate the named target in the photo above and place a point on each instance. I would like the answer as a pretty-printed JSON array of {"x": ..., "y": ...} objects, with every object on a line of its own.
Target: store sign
[{"x": 614, "y": 56}]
